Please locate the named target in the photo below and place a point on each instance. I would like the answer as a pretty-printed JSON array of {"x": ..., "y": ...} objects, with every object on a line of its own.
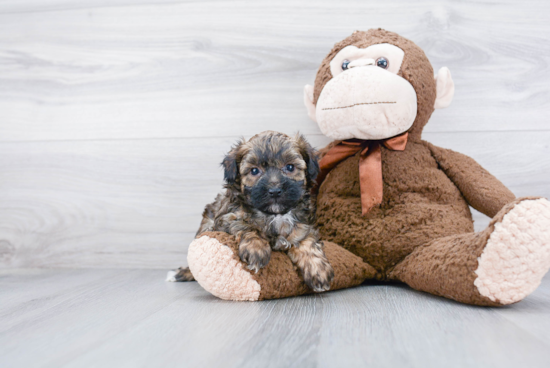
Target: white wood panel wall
[{"x": 114, "y": 115}]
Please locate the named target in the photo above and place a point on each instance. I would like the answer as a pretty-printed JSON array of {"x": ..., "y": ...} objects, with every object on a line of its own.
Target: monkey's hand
[{"x": 254, "y": 251}]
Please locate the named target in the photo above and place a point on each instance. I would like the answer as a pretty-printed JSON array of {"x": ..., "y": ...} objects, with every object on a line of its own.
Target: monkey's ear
[
  {"x": 445, "y": 88},
  {"x": 230, "y": 164},
  {"x": 308, "y": 101},
  {"x": 310, "y": 157}
]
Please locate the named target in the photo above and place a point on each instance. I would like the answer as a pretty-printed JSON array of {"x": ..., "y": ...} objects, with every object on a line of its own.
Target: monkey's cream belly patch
[
  {"x": 218, "y": 272},
  {"x": 517, "y": 254}
]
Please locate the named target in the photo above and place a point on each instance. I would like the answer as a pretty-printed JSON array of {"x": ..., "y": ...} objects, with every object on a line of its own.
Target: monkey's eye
[
  {"x": 345, "y": 64},
  {"x": 382, "y": 62},
  {"x": 290, "y": 168},
  {"x": 255, "y": 171}
]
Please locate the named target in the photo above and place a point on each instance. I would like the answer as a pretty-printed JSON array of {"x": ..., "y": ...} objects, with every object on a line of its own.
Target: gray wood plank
[
  {"x": 531, "y": 314},
  {"x": 133, "y": 318},
  {"x": 105, "y": 70},
  {"x": 79, "y": 317},
  {"x": 138, "y": 203}
]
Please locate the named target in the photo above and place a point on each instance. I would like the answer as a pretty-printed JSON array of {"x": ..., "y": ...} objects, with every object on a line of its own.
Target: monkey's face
[
  {"x": 274, "y": 171},
  {"x": 366, "y": 98},
  {"x": 376, "y": 85}
]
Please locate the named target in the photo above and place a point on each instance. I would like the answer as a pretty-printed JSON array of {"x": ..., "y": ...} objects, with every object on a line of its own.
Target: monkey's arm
[{"x": 481, "y": 190}]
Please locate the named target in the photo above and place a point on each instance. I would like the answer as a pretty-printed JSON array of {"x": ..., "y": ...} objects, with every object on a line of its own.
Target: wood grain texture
[
  {"x": 132, "y": 318},
  {"x": 105, "y": 70},
  {"x": 114, "y": 115}
]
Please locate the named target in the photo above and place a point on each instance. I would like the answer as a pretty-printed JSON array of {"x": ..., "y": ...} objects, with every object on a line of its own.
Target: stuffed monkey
[{"x": 391, "y": 206}]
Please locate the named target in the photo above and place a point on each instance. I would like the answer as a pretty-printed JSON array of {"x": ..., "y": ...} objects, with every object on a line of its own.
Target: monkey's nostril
[{"x": 274, "y": 192}]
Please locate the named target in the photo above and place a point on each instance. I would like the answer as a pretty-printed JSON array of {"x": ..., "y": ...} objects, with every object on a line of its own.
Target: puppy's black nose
[{"x": 274, "y": 192}]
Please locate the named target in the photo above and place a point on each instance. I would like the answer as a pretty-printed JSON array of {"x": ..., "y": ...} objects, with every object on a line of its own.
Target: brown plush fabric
[
  {"x": 349, "y": 269},
  {"x": 370, "y": 165},
  {"x": 481, "y": 190},
  {"x": 446, "y": 266},
  {"x": 280, "y": 278},
  {"x": 416, "y": 69},
  {"x": 420, "y": 204}
]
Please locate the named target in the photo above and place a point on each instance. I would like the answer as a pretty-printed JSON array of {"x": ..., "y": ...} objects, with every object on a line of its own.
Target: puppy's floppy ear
[
  {"x": 310, "y": 157},
  {"x": 230, "y": 163}
]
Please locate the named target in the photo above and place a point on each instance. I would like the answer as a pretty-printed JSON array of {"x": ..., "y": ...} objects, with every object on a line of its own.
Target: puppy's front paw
[
  {"x": 282, "y": 244},
  {"x": 318, "y": 274},
  {"x": 256, "y": 252}
]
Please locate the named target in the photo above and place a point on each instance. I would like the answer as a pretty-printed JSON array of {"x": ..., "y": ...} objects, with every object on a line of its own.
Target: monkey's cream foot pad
[
  {"x": 517, "y": 255},
  {"x": 217, "y": 269}
]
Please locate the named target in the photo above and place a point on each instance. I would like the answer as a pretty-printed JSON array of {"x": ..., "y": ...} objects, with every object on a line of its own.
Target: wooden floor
[{"x": 132, "y": 318}]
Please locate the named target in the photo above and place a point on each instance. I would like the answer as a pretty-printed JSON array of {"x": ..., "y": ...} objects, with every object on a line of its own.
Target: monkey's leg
[
  {"x": 180, "y": 275},
  {"x": 214, "y": 261},
  {"x": 500, "y": 265}
]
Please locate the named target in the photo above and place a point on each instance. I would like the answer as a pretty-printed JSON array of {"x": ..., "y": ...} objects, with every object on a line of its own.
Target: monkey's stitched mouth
[{"x": 362, "y": 103}]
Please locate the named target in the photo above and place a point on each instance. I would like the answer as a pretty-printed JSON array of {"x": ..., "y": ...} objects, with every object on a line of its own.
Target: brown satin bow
[{"x": 370, "y": 165}]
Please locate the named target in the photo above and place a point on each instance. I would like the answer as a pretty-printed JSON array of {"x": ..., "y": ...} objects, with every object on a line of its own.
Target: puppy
[{"x": 267, "y": 205}]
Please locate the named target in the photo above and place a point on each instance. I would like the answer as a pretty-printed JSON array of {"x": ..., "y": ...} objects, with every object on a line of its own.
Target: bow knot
[{"x": 370, "y": 165}]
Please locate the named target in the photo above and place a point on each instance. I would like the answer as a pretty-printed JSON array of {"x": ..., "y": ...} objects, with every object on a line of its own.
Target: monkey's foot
[
  {"x": 517, "y": 254},
  {"x": 218, "y": 269},
  {"x": 214, "y": 262}
]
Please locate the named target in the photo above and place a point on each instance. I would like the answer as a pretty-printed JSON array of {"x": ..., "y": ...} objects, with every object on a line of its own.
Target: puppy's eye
[
  {"x": 382, "y": 62},
  {"x": 255, "y": 171},
  {"x": 290, "y": 168},
  {"x": 345, "y": 64}
]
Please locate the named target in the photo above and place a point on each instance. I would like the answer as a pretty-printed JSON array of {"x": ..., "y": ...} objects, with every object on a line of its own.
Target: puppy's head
[{"x": 272, "y": 170}]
